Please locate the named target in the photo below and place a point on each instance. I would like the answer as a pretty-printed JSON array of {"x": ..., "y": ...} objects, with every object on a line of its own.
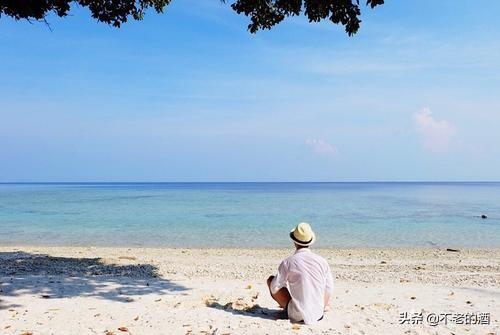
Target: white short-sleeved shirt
[{"x": 308, "y": 276}]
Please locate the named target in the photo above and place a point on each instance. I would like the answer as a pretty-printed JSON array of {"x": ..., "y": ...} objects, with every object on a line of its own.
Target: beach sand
[{"x": 95, "y": 290}]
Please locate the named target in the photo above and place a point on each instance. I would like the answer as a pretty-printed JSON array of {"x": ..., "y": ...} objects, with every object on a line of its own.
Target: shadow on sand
[
  {"x": 61, "y": 277},
  {"x": 254, "y": 311}
]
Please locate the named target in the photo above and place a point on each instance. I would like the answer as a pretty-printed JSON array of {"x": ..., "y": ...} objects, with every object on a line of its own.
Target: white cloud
[
  {"x": 322, "y": 147},
  {"x": 436, "y": 134}
]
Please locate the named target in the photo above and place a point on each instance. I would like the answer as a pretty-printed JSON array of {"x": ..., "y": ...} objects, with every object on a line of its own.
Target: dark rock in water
[
  {"x": 484, "y": 216},
  {"x": 452, "y": 250}
]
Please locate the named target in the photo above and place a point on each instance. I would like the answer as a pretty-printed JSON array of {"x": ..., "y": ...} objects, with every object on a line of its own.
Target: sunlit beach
[{"x": 206, "y": 167}]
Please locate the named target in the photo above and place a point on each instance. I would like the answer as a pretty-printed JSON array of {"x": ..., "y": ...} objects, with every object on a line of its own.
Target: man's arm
[{"x": 280, "y": 279}]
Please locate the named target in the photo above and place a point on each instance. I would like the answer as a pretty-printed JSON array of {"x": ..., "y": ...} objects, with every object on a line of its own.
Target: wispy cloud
[
  {"x": 322, "y": 147},
  {"x": 436, "y": 134},
  {"x": 409, "y": 54}
]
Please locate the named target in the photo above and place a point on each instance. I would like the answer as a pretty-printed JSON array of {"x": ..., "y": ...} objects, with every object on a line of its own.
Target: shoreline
[
  {"x": 167, "y": 247},
  {"x": 222, "y": 290}
]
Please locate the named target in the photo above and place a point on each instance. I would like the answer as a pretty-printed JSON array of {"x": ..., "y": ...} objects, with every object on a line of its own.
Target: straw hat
[{"x": 303, "y": 234}]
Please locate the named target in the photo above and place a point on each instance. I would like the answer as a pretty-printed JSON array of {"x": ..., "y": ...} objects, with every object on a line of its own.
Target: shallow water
[{"x": 250, "y": 214}]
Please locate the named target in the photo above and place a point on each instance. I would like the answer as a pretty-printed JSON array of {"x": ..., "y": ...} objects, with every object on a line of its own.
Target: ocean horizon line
[{"x": 252, "y": 182}]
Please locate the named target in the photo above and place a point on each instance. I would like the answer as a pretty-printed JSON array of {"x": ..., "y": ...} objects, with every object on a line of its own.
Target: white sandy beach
[{"x": 75, "y": 290}]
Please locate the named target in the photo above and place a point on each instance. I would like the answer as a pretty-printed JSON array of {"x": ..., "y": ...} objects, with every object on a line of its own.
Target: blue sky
[{"x": 190, "y": 95}]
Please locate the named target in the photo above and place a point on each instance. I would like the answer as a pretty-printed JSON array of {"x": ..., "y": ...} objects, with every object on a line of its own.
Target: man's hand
[{"x": 327, "y": 300}]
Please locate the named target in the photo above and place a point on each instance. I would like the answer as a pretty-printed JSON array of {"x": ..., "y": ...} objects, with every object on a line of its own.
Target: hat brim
[{"x": 302, "y": 243}]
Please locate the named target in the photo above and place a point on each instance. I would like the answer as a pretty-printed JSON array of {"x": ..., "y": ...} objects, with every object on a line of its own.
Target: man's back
[{"x": 309, "y": 277}]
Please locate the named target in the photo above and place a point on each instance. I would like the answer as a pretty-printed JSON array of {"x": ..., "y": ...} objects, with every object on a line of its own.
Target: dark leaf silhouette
[{"x": 263, "y": 14}]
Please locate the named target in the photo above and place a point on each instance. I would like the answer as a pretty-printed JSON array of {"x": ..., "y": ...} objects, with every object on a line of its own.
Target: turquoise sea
[{"x": 250, "y": 214}]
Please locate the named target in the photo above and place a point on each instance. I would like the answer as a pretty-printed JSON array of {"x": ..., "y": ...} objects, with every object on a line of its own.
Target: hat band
[{"x": 299, "y": 241}]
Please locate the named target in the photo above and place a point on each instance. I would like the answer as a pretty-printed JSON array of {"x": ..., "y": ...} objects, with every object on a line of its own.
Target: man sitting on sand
[{"x": 309, "y": 280}]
